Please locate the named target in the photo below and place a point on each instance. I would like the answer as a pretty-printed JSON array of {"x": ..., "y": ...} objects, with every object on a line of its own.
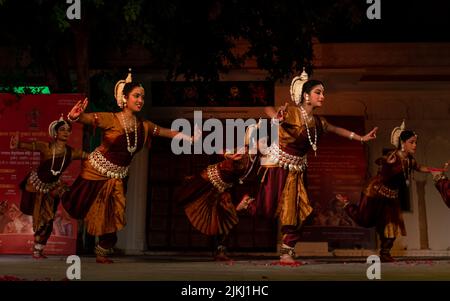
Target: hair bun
[
  {"x": 118, "y": 88},
  {"x": 395, "y": 134},
  {"x": 297, "y": 85}
]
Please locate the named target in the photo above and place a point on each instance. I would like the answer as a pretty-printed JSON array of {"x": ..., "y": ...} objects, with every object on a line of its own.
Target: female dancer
[
  {"x": 282, "y": 192},
  {"x": 379, "y": 206},
  {"x": 208, "y": 202},
  {"x": 98, "y": 194},
  {"x": 42, "y": 188},
  {"x": 442, "y": 184}
]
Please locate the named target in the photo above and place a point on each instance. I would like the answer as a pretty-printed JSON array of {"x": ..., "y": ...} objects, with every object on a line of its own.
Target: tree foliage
[{"x": 195, "y": 40}]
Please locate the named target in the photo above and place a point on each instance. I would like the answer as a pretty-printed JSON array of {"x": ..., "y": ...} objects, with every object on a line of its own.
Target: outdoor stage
[{"x": 242, "y": 268}]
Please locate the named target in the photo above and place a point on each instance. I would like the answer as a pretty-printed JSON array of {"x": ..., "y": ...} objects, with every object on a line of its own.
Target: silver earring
[
  {"x": 307, "y": 101},
  {"x": 403, "y": 148}
]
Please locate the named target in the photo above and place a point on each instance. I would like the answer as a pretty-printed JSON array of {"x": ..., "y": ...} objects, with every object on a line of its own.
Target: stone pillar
[
  {"x": 423, "y": 225},
  {"x": 132, "y": 239}
]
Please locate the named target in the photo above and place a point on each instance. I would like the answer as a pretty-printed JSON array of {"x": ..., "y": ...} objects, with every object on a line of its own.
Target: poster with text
[{"x": 30, "y": 116}]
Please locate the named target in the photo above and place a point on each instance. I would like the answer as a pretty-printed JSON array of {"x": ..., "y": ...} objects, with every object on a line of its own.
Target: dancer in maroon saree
[
  {"x": 208, "y": 202},
  {"x": 98, "y": 194},
  {"x": 42, "y": 188},
  {"x": 442, "y": 184},
  {"x": 379, "y": 206},
  {"x": 282, "y": 193}
]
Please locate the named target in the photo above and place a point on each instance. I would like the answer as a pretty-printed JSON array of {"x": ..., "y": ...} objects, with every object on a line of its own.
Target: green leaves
[
  {"x": 193, "y": 40},
  {"x": 132, "y": 10}
]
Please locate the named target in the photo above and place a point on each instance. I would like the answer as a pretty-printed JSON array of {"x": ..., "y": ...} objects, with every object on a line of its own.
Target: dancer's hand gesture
[
  {"x": 371, "y": 135},
  {"x": 77, "y": 109}
]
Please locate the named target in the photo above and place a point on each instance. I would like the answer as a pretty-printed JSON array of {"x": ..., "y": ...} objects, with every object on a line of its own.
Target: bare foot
[
  {"x": 386, "y": 258},
  {"x": 39, "y": 256},
  {"x": 287, "y": 259},
  {"x": 103, "y": 260},
  {"x": 222, "y": 257}
]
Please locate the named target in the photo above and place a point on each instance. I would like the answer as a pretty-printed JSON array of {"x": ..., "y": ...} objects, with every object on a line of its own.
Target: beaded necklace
[
  {"x": 54, "y": 172},
  {"x": 131, "y": 149},
  {"x": 406, "y": 172},
  {"x": 305, "y": 118}
]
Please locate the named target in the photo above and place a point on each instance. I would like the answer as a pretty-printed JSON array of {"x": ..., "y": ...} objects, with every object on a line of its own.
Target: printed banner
[{"x": 30, "y": 115}]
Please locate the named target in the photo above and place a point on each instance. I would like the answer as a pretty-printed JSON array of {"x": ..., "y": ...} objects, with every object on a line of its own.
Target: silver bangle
[
  {"x": 352, "y": 134},
  {"x": 72, "y": 120}
]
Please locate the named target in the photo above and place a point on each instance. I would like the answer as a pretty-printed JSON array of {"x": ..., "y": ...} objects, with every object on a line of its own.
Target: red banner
[{"x": 30, "y": 115}]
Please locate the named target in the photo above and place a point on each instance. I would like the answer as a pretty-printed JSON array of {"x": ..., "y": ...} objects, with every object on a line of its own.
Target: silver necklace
[
  {"x": 406, "y": 172},
  {"x": 54, "y": 172},
  {"x": 306, "y": 119},
  {"x": 131, "y": 149}
]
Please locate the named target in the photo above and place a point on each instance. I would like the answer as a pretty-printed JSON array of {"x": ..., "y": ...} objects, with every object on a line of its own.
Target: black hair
[
  {"x": 307, "y": 87},
  {"x": 129, "y": 87},
  {"x": 61, "y": 123},
  {"x": 405, "y": 135}
]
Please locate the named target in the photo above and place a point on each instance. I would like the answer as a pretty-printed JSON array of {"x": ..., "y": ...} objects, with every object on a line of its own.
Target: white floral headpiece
[
  {"x": 297, "y": 85},
  {"x": 51, "y": 127},
  {"x": 396, "y": 132},
  {"x": 118, "y": 90}
]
